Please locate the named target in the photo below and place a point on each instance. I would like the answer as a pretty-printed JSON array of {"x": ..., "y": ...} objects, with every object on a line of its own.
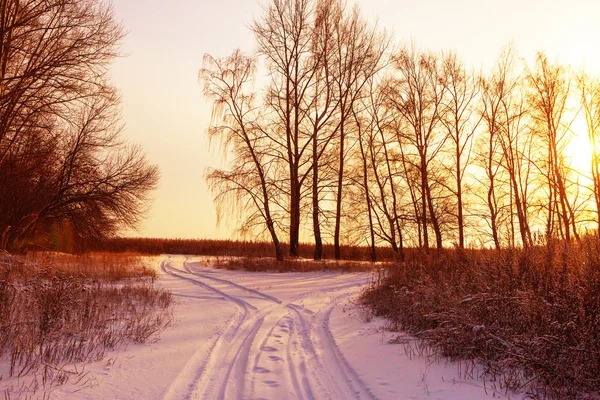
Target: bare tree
[
  {"x": 61, "y": 156},
  {"x": 54, "y": 53},
  {"x": 550, "y": 89},
  {"x": 495, "y": 90},
  {"x": 417, "y": 95},
  {"x": 89, "y": 181},
  {"x": 247, "y": 184},
  {"x": 380, "y": 151},
  {"x": 517, "y": 146},
  {"x": 361, "y": 54},
  {"x": 284, "y": 37},
  {"x": 364, "y": 144},
  {"x": 461, "y": 122},
  {"x": 415, "y": 153},
  {"x": 323, "y": 105},
  {"x": 509, "y": 148}
]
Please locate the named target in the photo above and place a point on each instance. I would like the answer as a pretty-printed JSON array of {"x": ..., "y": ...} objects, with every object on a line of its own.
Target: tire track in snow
[
  {"x": 304, "y": 387},
  {"x": 261, "y": 294},
  {"x": 275, "y": 361},
  {"x": 198, "y": 367},
  {"x": 178, "y": 273},
  {"x": 351, "y": 376},
  {"x": 325, "y": 359},
  {"x": 310, "y": 358},
  {"x": 239, "y": 363},
  {"x": 231, "y": 351}
]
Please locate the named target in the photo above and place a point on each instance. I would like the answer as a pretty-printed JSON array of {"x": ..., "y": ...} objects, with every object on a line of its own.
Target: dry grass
[
  {"x": 531, "y": 319},
  {"x": 290, "y": 264},
  {"x": 230, "y": 248},
  {"x": 64, "y": 310},
  {"x": 106, "y": 267}
]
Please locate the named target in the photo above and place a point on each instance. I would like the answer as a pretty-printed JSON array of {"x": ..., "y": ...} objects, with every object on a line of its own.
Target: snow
[{"x": 261, "y": 335}]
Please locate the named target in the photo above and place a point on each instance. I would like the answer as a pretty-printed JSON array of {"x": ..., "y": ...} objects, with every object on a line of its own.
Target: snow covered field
[{"x": 242, "y": 335}]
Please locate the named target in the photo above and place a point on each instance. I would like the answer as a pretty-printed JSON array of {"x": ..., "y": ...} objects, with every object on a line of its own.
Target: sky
[{"x": 163, "y": 109}]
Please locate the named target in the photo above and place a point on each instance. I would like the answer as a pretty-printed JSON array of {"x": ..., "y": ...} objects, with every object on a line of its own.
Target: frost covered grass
[
  {"x": 58, "y": 312},
  {"x": 256, "y": 264},
  {"x": 529, "y": 318}
]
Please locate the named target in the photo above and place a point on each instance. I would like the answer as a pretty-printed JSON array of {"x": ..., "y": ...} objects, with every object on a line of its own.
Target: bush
[
  {"x": 51, "y": 318},
  {"x": 531, "y": 317}
]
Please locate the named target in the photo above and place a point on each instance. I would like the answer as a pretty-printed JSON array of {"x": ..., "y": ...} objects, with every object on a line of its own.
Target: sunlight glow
[
  {"x": 169, "y": 121},
  {"x": 579, "y": 151}
]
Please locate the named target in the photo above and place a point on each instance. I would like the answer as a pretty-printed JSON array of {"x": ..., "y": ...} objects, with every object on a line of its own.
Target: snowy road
[
  {"x": 244, "y": 335},
  {"x": 276, "y": 345}
]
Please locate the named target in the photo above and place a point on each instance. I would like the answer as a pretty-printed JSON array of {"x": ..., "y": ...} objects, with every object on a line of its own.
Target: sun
[{"x": 578, "y": 151}]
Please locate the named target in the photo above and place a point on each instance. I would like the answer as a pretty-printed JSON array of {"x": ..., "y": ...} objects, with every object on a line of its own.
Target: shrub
[
  {"x": 51, "y": 318},
  {"x": 531, "y": 317}
]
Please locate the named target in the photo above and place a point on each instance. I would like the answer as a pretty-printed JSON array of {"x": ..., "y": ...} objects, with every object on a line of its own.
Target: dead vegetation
[
  {"x": 530, "y": 318},
  {"x": 233, "y": 248},
  {"x": 59, "y": 312},
  {"x": 98, "y": 266},
  {"x": 290, "y": 264}
]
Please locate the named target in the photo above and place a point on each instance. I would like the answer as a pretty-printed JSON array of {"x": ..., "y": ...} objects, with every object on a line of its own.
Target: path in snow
[
  {"x": 272, "y": 347},
  {"x": 265, "y": 335}
]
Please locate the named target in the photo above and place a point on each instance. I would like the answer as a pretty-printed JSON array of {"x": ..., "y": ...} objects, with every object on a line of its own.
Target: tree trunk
[
  {"x": 367, "y": 194},
  {"x": 461, "y": 226},
  {"x": 318, "y": 254},
  {"x": 424, "y": 203},
  {"x": 338, "y": 208},
  {"x": 434, "y": 221},
  {"x": 294, "y": 220}
]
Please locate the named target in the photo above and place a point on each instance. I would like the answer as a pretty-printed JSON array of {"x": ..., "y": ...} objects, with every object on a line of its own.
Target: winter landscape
[
  {"x": 267, "y": 335},
  {"x": 299, "y": 199}
]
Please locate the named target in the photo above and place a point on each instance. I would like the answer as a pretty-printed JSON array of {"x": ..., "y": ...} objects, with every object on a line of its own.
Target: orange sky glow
[{"x": 163, "y": 109}]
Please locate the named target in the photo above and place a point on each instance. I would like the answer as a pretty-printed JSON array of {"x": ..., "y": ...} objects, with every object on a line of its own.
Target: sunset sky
[{"x": 164, "y": 111}]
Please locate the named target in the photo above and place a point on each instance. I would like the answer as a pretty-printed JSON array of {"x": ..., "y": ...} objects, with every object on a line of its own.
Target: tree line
[
  {"x": 333, "y": 132},
  {"x": 63, "y": 164}
]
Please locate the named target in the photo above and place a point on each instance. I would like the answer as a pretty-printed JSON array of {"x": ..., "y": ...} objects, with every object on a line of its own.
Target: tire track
[
  {"x": 329, "y": 365},
  {"x": 224, "y": 281},
  {"x": 305, "y": 389},
  {"x": 286, "y": 341},
  {"x": 360, "y": 389},
  {"x": 178, "y": 273},
  {"x": 242, "y": 353},
  {"x": 231, "y": 352},
  {"x": 201, "y": 368}
]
